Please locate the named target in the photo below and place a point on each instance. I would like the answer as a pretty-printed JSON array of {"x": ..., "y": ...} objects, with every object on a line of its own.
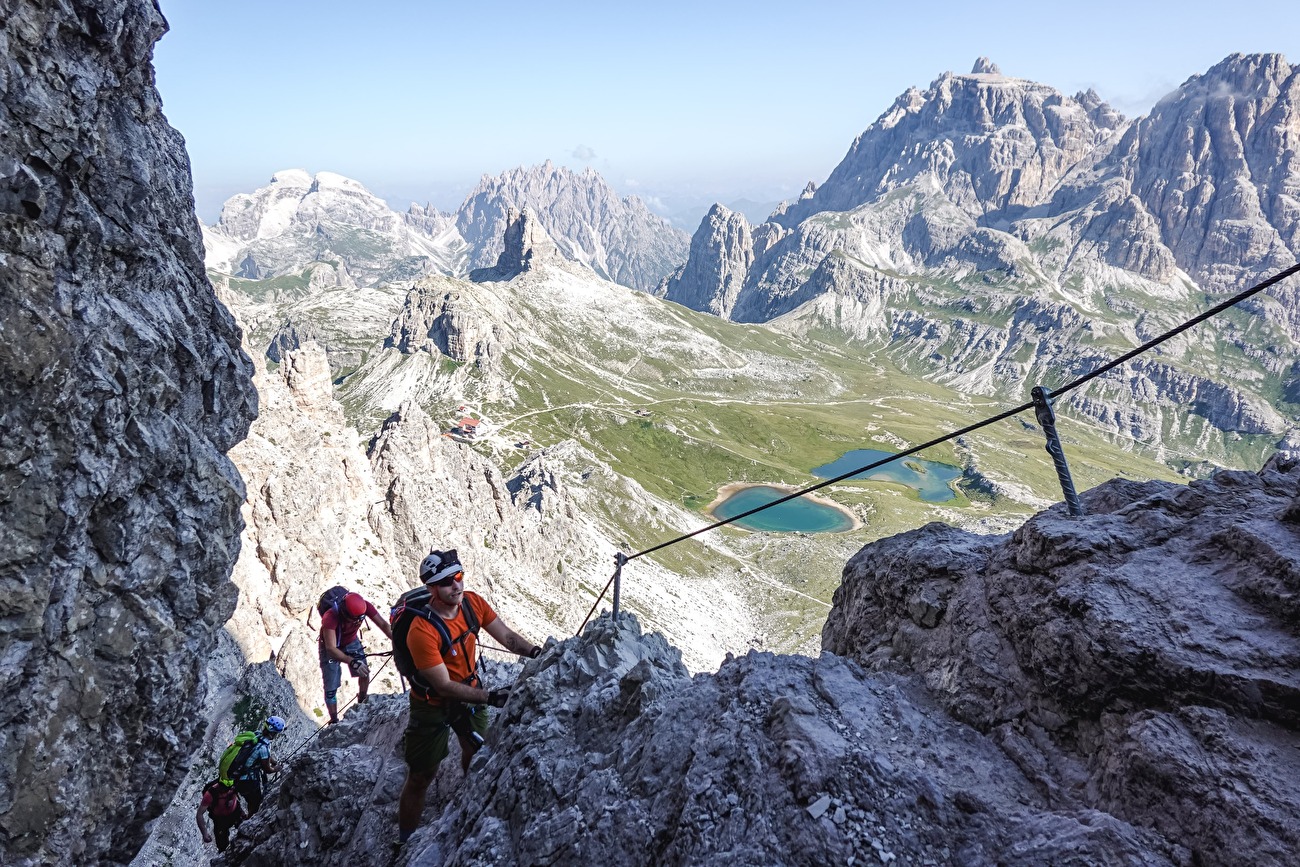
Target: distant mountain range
[
  {"x": 992, "y": 233},
  {"x": 987, "y": 233},
  {"x": 297, "y": 220}
]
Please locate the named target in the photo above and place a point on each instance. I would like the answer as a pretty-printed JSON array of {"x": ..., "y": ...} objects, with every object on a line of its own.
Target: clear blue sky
[{"x": 679, "y": 101}]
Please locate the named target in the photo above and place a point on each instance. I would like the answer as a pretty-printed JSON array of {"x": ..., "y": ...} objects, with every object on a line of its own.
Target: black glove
[
  {"x": 498, "y": 697},
  {"x": 359, "y": 668},
  {"x": 535, "y": 652}
]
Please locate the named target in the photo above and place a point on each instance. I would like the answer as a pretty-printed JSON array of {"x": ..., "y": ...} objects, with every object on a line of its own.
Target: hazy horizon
[{"x": 679, "y": 105}]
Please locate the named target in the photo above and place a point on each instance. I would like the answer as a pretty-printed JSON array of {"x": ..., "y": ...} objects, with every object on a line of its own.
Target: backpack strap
[
  {"x": 418, "y": 683},
  {"x": 471, "y": 618},
  {"x": 471, "y": 628}
]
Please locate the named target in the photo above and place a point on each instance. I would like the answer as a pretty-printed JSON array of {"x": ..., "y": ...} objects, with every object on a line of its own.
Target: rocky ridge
[
  {"x": 299, "y": 219},
  {"x": 1143, "y": 661},
  {"x": 123, "y": 388},
  {"x": 302, "y": 228},
  {"x": 1112, "y": 689},
  {"x": 619, "y": 239}
]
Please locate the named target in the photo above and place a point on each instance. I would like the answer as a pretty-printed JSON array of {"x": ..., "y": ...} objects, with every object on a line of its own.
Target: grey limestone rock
[
  {"x": 440, "y": 317},
  {"x": 722, "y": 250},
  {"x": 619, "y": 239},
  {"x": 1143, "y": 660},
  {"x": 988, "y": 141},
  {"x": 1217, "y": 163},
  {"x": 122, "y": 387},
  {"x": 525, "y": 246},
  {"x": 609, "y": 752},
  {"x": 289, "y": 337}
]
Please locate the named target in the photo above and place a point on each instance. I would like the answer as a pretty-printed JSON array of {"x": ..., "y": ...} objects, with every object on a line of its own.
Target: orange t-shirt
[{"x": 425, "y": 643}]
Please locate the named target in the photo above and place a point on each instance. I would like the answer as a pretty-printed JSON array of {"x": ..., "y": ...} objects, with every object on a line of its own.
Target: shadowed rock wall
[{"x": 121, "y": 388}]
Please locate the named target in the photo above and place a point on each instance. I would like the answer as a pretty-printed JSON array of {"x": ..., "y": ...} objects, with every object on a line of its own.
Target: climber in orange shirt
[{"x": 435, "y": 646}]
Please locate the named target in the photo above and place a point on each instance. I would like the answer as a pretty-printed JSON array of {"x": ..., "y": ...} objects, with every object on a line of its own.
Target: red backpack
[{"x": 225, "y": 800}]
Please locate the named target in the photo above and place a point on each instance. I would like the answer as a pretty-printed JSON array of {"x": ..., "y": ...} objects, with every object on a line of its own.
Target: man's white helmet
[{"x": 439, "y": 565}]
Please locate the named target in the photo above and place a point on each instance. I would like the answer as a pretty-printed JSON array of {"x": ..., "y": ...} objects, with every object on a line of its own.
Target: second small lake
[
  {"x": 801, "y": 516},
  {"x": 931, "y": 479}
]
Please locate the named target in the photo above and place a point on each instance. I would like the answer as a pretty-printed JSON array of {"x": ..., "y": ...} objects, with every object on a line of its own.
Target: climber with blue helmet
[{"x": 250, "y": 781}]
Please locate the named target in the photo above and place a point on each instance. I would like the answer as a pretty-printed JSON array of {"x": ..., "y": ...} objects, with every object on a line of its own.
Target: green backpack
[{"x": 234, "y": 761}]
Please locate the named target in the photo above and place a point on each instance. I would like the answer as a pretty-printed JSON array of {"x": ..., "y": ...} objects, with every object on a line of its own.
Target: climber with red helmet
[{"x": 342, "y": 615}]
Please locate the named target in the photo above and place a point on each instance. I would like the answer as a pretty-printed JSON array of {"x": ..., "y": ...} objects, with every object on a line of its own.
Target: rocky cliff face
[
  {"x": 525, "y": 246},
  {"x": 1143, "y": 661},
  {"x": 1117, "y": 689},
  {"x": 988, "y": 141},
  {"x": 721, "y": 252},
  {"x": 620, "y": 239},
  {"x": 438, "y": 317},
  {"x": 123, "y": 387},
  {"x": 1217, "y": 164}
]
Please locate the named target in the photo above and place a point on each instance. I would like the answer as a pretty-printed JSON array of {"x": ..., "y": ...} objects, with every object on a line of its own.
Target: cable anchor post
[
  {"x": 619, "y": 559},
  {"x": 1047, "y": 420}
]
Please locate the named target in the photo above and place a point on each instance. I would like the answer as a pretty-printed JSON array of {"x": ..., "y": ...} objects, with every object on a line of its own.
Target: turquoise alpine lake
[
  {"x": 797, "y": 516},
  {"x": 931, "y": 479}
]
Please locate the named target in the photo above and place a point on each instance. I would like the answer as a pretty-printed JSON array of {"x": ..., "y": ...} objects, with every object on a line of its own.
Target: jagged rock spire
[
  {"x": 721, "y": 252},
  {"x": 984, "y": 66},
  {"x": 526, "y": 246}
]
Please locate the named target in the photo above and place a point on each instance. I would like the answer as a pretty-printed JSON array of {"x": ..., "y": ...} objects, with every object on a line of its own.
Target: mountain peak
[
  {"x": 292, "y": 178},
  {"x": 591, "y": 223},
  {"x": 1246, "y": 76},
  {"x": 942, "y": 137},
  {"x": 526, "y": 246},
  {"x": 335, "y": 181}
]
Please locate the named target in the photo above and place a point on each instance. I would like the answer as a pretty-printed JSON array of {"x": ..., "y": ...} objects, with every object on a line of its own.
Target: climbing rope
[
  {"x": 1070, "y": 386},
  {"x": 481, "y": 646},
  {"x": 284, "y": 762}
]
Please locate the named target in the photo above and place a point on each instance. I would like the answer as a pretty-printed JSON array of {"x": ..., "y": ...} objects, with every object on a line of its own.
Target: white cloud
[{"x": 582, "y": 152}]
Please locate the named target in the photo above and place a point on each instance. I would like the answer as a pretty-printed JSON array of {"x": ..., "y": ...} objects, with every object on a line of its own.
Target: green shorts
[{"x": 428, "y": 734}]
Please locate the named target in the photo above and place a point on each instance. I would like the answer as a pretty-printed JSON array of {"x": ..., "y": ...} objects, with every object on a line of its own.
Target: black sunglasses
[{"x": 449, "y": 580}]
